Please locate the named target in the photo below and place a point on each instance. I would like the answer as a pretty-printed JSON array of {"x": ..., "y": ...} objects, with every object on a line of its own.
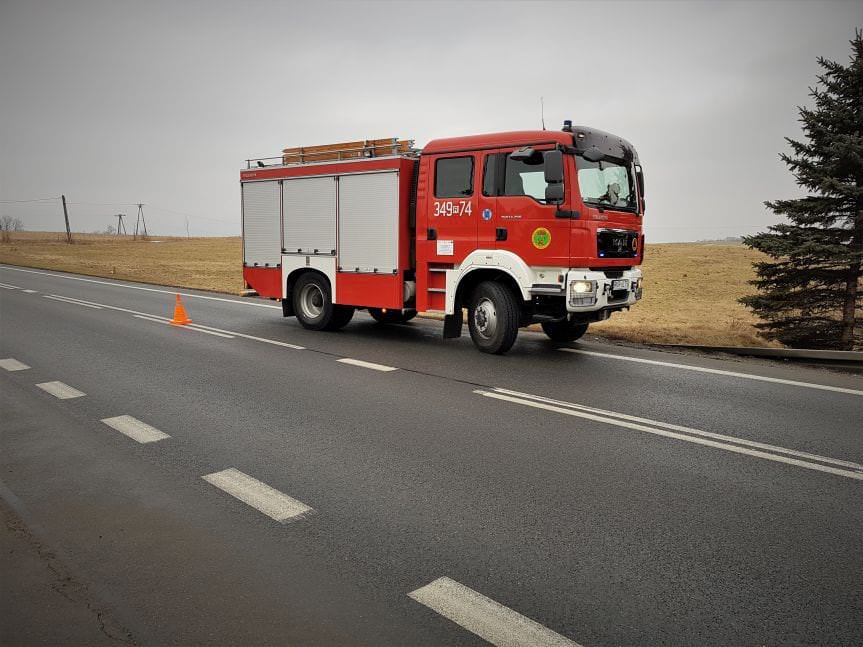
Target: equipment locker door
[{"x": 262, "y": 224}]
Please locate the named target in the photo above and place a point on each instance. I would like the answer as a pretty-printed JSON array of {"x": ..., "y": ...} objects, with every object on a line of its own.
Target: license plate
[{"x": 620, "y": 284}]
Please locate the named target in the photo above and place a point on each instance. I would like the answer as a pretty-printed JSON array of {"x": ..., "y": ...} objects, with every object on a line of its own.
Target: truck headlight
[
  {"x": 582, "y": 293},
  {"x": 582, "y": 287}
]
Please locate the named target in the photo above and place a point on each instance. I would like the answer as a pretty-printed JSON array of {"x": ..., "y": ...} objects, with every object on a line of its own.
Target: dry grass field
[
  {"x": 691, "y": 289},
  {"x": 203, "y": 263}
]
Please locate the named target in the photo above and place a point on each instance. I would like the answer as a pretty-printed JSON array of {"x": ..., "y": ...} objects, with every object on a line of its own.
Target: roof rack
[{"x": 365, "y": 149}]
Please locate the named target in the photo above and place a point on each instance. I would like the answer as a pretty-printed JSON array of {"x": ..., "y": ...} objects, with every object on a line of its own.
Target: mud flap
[
  {"x": 452, "y": 325},
  {"x": 287, "y": 308}
]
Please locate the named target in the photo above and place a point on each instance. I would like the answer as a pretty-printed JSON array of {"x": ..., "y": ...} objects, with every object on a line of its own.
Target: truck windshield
[{"x": 608, "y": 183}]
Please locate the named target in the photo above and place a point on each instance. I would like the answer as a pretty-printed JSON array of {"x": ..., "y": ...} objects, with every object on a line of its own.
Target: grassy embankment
[{"x": 691, "y": 289}]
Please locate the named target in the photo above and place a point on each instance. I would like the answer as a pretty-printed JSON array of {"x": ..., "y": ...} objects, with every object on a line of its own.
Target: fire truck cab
[{"x": 516, "y": 228}]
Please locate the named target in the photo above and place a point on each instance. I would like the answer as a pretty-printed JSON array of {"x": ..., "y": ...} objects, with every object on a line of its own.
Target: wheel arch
[
  {"x": 488, "y": 265},
  {"x": 471, "y": 279}
]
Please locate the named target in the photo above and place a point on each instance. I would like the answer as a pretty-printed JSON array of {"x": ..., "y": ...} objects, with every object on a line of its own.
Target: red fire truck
[{"x": 515, "y": 227}]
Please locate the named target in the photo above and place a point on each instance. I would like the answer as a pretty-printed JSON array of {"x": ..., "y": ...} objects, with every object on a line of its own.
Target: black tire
[
  {"x": 392, "y": 316},
  {"x": 314, "y": 307},
  {"x": 493, "y": 317},
  {"x": 342, "y": 316},
  {"x": 563, "y": 331}
]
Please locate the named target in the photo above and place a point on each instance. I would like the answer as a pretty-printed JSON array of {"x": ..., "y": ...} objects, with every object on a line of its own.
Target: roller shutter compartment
[
  {"x": 262, "y": 227},
  {"x": 369, "y": 222},
  {"x": 309, "y": 210}
]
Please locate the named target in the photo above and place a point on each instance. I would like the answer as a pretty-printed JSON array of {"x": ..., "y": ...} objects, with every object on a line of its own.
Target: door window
[
  {"x": 453, "y": 177},
  {"x": 518, "y": 177}
]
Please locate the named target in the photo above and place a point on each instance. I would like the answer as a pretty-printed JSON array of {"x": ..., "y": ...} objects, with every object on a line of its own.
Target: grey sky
[{"x": 159, "y": 102}]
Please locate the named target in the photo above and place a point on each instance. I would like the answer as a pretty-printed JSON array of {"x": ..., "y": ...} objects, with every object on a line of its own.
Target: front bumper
[{"x": 589, "y": 291}]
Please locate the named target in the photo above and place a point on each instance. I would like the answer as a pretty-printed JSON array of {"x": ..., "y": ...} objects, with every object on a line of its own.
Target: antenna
[{"x": 542, "y": 111}]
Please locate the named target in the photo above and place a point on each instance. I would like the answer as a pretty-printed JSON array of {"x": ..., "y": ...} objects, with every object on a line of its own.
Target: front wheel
[
  {"x": 563, "y": 331},
  {"x": 493, "y": 317}
]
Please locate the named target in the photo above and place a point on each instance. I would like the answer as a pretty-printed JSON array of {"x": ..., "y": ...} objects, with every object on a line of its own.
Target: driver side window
[{"x": 518, "y": 177}]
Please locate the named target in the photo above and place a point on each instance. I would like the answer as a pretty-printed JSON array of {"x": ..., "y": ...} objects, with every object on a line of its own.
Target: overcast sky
[{"x": 160, "y": 102}]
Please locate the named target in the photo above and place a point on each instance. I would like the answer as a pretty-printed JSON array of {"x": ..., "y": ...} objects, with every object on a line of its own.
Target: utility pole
[
  {"x": 66, "y": 216},
  {"x": 121, "y": 224},
  {"x": 141, "y": 221}
]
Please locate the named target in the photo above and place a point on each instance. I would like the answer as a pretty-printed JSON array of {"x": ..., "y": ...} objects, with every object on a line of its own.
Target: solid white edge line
[
  {"x": 189, "y": 326},
  {"x": 60, "y": 390},
  {"x": 482, "y": 616},
  {"x": 257, "y": 494},
  {"x": 261, "y": 339},
  {"x": 688, "y": 430},
  {"x": 371, "y": 365},
  {"x": 139, "y": 287},
  {"x": 135, "y": 429},
  {"x": 670, "y": 434},
  {"x": 72, "y": 301},
  {"x": 12, "y": 364},
  {"x": 716, "y": 371},
  {"x": 163, "y": 320},
  {"x": 200, "y": 327}
]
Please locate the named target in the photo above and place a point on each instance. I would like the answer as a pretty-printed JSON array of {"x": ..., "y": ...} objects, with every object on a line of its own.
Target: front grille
[{"x": 616, "y": 243}]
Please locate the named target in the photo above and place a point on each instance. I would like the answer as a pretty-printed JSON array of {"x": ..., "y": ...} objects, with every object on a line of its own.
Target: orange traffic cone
[{"x": 180, "y": 316}]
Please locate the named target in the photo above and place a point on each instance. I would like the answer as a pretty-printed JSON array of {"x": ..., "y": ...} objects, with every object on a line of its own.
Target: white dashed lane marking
[
  {"x": 135, "y": 429},
  {"x": 9, "y": 287},
  {"x": 687, "y": 434},
  {"x": 491, "y": 621},
  {"x": 276, "y": 505},
  {"x": 715, "y": 371},
  {"x": 60, "y": 390},
  {"x": 29, "y": 291},
  {"x": 371, "y": 365},
  {"x": 11, "y": 364}
]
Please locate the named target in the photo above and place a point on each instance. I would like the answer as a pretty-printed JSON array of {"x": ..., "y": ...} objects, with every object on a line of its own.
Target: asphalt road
[{"x": 432, "y": 496}]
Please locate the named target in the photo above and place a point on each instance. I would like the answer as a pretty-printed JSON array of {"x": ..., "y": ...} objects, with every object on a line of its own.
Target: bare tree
[{"x": 8, "y": 224}]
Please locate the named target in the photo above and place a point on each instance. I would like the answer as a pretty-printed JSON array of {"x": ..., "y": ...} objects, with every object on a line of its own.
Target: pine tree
[{"x": 810, "y": 294}]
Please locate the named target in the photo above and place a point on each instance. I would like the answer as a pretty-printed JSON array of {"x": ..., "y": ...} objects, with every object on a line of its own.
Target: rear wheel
[
  {"x": 563, "y": 331},
  {"x": 314, "y": 307},
  {"x": 389, "y": 316},
  {"x": 493, "y": 317}
]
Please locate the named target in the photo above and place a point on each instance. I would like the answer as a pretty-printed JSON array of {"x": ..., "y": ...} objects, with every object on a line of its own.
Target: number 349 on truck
[{"x": 516, "y": 227}]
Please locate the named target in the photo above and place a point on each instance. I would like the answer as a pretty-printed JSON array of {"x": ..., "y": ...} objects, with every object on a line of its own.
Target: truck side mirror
[
  {"x": 553, "y": 167},
  {"x": 554, "y": 193},
  {"x": 523, "y": 154}
]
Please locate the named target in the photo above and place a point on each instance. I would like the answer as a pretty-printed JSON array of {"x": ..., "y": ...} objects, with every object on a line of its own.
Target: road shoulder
[{"x": 42, "y": 602}]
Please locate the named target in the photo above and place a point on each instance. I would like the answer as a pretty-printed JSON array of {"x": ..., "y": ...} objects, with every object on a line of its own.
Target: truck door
[
  {"x": 520, "y": 219},
  {"x": 452, "y": 208}
]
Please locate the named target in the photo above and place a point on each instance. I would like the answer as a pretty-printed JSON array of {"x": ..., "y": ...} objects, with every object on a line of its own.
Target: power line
[
  {"x": 31, "y": 200},
  {"x": 189, "y": 215}
]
